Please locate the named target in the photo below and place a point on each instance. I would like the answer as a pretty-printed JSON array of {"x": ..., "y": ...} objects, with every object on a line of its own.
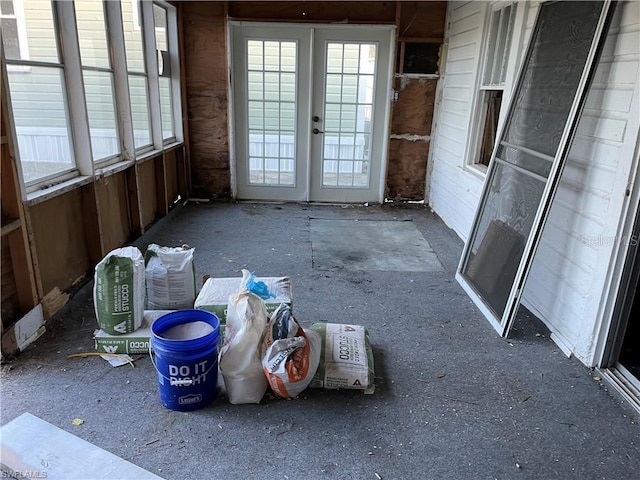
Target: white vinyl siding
[
  {"x": 454, "y": 191},
  {"x": 41, "y": 46}
]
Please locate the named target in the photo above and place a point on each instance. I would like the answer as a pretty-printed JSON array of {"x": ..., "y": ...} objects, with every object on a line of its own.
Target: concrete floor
[{"x": 452, "y": 401}]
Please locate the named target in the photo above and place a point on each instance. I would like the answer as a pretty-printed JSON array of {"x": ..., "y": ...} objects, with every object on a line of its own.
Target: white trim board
[{"x": 31, "y": 447}]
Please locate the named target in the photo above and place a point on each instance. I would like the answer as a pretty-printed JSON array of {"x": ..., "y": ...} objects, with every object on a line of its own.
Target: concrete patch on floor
[{"x": 389, "y": 246}]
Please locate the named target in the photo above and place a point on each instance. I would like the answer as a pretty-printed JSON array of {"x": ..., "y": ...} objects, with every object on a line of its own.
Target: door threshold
[{"x": 623, "y": 382}]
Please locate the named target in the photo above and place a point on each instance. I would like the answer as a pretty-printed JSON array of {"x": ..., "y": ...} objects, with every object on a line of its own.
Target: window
[
  {"x": 418, "y": 58},
  {"x": 37, "y": 86},
  {"x": 164, "y": 71},
  {"x": 137, "y": 73},
  {"x": 271, "y": 94},
  {"x": 98, "y": 80},
  {"x": 13, "y": 29},
  {"x": 492, "y": 82},
  {"x": 76, "y": 105}
]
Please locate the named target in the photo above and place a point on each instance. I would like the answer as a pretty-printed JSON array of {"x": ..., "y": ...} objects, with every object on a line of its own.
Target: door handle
[{"x": 316, "y": 131}]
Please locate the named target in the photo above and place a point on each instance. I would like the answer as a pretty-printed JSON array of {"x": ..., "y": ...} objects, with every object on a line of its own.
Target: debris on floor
[{"x": 114, "y": 359}]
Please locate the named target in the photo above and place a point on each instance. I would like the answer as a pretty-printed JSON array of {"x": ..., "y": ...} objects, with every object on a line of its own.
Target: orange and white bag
[{"x": 292, "y": 354}]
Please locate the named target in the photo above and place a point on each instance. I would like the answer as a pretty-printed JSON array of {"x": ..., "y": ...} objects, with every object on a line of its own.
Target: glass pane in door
[
  {"x": 348, "y": 109},
  {"x": 271, "y": 91}
]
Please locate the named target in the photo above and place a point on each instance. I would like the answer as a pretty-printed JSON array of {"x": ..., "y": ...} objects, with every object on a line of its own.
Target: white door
[{"x": 311, "y": 107}]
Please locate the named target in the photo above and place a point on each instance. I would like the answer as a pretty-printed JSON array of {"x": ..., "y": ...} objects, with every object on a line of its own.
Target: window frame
[
  {"x": 175, "y": 84},
  {"x": 137, "y": 17},
  {"x": 83, "y": 168},
  {"x": 109, "y": 159},
  {"x": 482, "y": 89},
  {"x": 26, "y": 65}
]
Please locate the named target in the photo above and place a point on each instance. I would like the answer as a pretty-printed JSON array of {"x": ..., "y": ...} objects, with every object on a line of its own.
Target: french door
[{"x": 311, "y": 111}]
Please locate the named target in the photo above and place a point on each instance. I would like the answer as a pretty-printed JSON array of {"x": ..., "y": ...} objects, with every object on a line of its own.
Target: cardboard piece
[
  {"x": 133, "y": 343},
  {"x": 33, "y": 448},
  {"x": 214, "y": 296}
]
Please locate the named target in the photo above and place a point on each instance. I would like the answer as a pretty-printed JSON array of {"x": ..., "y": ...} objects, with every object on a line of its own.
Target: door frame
[
  {"x": 623, "y": 278},
  {"x": 231, "y": 117}
]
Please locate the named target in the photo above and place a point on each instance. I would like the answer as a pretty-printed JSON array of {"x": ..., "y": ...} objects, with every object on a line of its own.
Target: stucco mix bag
[
  {"x": 170, "y": 277},
  {"x": 118, "y": 291},
  {"x": 346, "y": 360}
]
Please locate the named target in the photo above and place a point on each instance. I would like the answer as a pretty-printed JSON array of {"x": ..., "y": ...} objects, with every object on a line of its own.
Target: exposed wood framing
[
  {"x": 60, "y": 240},
  {"x": 182, "y": 172},
  {"x": 207, "y": 79},
  {"x": 112, "y": 205},
  {"x": 162, "y": 204},
  {"x": 53, "y": 238},
  {"x": 171, "y": 177},
  {"x": 135, "y": 199},
  {"x": 343, "y": 12},
  {"x": 19, "y": 287},
  {"x": 207, "y": 103},
  {"x": 91, "y": 217},
  {"x": 8, "y": 290},
  {"x": 410, "y": 137},
  {"x": 186, "y": 180},
  {"x": 422, "y": 20},
  {"x": 147, "y": 191}
]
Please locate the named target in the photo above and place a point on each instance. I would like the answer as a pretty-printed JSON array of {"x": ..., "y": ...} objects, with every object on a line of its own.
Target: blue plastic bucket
[{"x": 185, "y": 345}]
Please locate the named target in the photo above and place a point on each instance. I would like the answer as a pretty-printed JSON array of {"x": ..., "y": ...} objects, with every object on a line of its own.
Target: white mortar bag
[
  {"x": 171, "y": 277},
  {"x": 346, "y": 360},
  {"x": 241, "y": 353},
  {"x": 292, "y": 354},
  {"x": 118, "y": 291}
]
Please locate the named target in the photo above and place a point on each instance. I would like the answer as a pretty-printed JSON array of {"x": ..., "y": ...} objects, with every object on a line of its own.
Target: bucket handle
[{"x": 187, "y": 382}]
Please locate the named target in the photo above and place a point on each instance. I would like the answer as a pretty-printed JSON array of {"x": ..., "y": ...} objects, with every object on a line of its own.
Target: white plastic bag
[
  {"x": 170, "y": 277},
  {"x": 292, "y": 354},
  {"x": 241, "y": 353},
  {"x": 118, "y": 291}
]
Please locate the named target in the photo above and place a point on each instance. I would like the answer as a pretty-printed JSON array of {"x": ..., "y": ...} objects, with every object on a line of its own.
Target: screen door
[{"x": 529, "y": 155}]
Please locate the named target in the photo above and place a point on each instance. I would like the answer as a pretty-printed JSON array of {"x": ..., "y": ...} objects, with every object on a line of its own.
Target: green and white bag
[{"x": 119, "y": 291}]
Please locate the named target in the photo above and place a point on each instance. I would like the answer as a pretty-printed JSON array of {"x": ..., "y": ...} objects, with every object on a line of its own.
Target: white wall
[
  {"x": 454, "y": 190},
  {"x": 567, "y": 284}
]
